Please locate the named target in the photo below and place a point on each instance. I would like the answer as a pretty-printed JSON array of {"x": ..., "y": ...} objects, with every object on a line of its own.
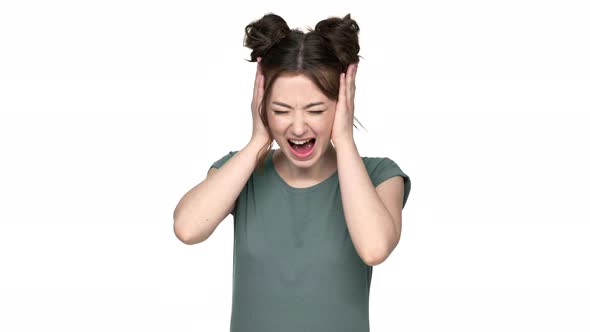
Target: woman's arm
[
  {"x": 373, "y": 229},
  {"x": 201, "y": 209}
]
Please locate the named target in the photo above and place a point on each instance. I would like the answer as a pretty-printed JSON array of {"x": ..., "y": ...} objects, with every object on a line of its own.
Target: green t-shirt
[{"x": 295, "y": 267}]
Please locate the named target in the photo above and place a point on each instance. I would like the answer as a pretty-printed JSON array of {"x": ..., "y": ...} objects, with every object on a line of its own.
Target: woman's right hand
[{"x": 259, "y": 132}]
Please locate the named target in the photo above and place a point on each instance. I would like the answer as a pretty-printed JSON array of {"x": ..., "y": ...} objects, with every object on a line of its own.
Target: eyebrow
[{"x": 306, "y": 106}]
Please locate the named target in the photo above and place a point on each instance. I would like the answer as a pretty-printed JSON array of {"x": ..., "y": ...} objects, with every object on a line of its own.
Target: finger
[
  {"x": 356, "y": 65},
  {"x": 256, "y": 78},
  {"x": 350, "y": 80},
  {"x": 349, "y": 74},
  {"x": 260, "y": 88},
  {"x": 342, "y": 89}
]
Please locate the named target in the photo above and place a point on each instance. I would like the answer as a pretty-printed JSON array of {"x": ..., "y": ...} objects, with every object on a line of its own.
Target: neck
[{"x": 322, "y": 168}]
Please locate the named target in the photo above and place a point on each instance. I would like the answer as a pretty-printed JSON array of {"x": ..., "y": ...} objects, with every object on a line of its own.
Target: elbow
[
  {"x": 186, "y": 236},
  {"x": 183, "y": 236},
  {"x": 374, "y": 260},
  {"x": 377, "y": 257},
  {"x": 373, "y": 257}
]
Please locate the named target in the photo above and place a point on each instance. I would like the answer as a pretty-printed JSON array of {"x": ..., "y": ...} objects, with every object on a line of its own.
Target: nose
[{"x": 299, "y": 127}]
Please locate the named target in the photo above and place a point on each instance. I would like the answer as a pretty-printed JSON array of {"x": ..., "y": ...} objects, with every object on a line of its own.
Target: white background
[{"x": 110, "y": 111}]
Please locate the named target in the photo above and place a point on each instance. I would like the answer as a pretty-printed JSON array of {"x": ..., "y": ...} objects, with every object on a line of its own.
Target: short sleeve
[
  {"x": 385, "y": 168},
  {"x": 217, "y": 164}
]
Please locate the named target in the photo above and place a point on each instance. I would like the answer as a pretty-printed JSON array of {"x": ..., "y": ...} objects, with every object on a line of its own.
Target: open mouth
[{"x": 302, "y": 150}]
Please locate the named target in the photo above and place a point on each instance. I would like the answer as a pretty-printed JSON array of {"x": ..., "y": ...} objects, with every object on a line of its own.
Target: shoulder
[
  {"x": 379, "y": 164},
  {"x": 381, "y": 169},
  {"x": 223, "y": 159}
]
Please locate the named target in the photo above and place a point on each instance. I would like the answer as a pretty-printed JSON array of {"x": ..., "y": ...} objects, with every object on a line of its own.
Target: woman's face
[{"x": 298, "y": 110}]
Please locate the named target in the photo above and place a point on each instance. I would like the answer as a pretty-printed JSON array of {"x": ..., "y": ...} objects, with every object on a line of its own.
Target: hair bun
[
  {"x": 342, "y": 34},
  {"x": 263, "y": 34}
]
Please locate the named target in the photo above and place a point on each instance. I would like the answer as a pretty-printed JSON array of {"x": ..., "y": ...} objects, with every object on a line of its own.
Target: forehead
[{"x": 295, "y": 88}]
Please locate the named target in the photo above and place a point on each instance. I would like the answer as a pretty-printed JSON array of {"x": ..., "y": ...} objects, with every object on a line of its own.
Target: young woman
[{"x": 313, "y": 220}]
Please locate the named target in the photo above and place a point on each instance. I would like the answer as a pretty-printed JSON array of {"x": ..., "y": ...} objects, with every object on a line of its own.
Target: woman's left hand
[{"x": 343, "y": 119}]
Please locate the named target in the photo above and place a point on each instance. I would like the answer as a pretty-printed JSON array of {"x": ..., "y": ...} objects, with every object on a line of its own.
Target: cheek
[
  {"x": 278, "y": 124},
  {"x": 329, "y": 122},
  {"x": 276, "y": 127}
]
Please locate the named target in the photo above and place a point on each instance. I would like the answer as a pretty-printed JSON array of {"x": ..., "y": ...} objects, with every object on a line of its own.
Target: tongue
[{"x": 304, "y": 148}]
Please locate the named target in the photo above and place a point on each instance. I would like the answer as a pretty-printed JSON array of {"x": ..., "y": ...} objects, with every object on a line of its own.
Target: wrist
[
  {"x": 258, "y": 142},
  {"x": 344, "y": 143}
]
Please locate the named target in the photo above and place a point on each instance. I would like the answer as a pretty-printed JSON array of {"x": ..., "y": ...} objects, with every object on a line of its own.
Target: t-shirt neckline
[{"x": 285, "y": 185}]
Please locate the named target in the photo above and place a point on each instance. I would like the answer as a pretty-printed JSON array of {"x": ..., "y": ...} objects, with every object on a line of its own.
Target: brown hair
[{"x": 321, "y": 54}]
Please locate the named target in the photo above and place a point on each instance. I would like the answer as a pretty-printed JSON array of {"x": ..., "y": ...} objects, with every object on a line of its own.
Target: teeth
[{"x": 300, "y": 142}]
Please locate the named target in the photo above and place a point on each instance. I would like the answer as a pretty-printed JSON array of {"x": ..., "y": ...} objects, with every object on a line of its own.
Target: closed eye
[{"x": 314, "y": 112}]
